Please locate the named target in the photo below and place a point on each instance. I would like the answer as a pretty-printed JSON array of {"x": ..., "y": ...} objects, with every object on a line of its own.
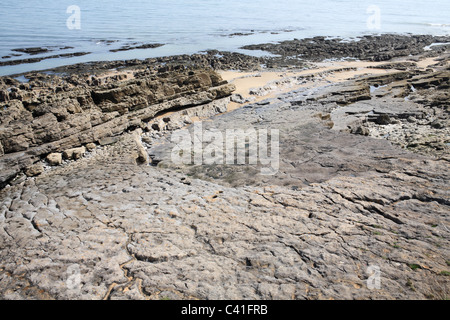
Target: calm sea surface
[{"x": 188, "y": 26}]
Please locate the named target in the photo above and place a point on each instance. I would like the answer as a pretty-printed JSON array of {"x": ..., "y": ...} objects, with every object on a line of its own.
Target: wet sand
[{"x": 278, "y": 82}]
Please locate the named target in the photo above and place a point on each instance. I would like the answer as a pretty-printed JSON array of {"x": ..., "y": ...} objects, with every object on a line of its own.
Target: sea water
[{"x": 189, "y": 26}]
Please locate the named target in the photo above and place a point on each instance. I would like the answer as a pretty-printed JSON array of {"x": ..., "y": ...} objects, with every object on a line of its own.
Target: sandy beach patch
[{"x": 258, "y": 86}]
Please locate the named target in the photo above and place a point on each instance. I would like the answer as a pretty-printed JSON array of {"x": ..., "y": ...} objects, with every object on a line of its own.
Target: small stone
[
  {"x": 54, "y": 159},
  {"x": 108, "y": 141},
  {"x": 330, "y": 124},
  {"x": 187, "y": 120},
  {"x": 74, "y": 154},
  {"x": 142, "y": 156},
  {"x": 147, "y": 139},
  {"x": 411, "y": 119},
  {"x": 34, "y": 170},
  {"x": 90, "y": 146},
  {"x": 156, "y": 127},
  {"x": 186, "y": 181},
  {"x": 383, "y": 119},
  {"x": 438, "y": 125},
  {"x": 361, "y": 131},
  {"x": 238, "y": 98}
]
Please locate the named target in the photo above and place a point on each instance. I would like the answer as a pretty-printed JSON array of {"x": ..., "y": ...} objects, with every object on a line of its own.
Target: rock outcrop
[
  {"x": 412, "y": 113},
  {"x": 371, "y": 48},
  {"x": 55, "y": 114}
]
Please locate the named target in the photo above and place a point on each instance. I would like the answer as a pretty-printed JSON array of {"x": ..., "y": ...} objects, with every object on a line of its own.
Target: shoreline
[{"x": 269, "y": 49}]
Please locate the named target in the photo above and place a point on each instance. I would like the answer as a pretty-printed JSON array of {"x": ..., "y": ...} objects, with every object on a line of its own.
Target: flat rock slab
[{"x": 133, "y": 232}]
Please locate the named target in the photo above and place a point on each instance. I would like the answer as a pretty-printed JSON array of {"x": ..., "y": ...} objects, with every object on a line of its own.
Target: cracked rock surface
[{"x": 139, "y": 232}]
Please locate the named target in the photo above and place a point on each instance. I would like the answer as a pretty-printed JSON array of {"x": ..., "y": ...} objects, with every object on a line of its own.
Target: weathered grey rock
[
  {"x": 383, "y": 119},
  {"x": 238, "y": 98},
  {"x": 415, "y": 119},
  {"x": 34, "y": 170},
  {"x": 108, "y": 141},
  {"x": 411, "y": 119}
]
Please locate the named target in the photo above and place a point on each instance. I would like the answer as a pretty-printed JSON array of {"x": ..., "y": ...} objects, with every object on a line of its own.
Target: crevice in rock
[
  {"x": 374, "y": 209},
  {"x": 35, "y": 225}
]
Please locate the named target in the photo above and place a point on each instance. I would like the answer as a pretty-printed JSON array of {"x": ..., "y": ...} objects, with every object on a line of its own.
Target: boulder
[
  {"x": 74, "y": 154},
  {"x": 361, "y": 130},
  {"x": 141, "y": 156},
  {"x": 54, "y": 159},
  {"x": 90, "y": 146},
  {"x": 34, "y": 170}
]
